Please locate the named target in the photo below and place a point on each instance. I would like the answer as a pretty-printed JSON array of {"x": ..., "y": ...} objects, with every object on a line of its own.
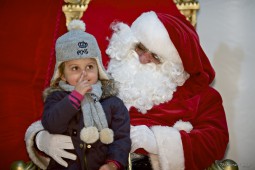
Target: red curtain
[
  {"x": 26, "y": 40},
  {"x": 27, "y": 34}
]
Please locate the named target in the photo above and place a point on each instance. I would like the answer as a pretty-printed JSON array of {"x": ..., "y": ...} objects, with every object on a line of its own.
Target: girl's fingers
[{"x": 81, "y": 78}]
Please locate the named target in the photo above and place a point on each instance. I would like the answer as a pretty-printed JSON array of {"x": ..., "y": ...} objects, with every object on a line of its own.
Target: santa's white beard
[{"x": 141, "y": 85}]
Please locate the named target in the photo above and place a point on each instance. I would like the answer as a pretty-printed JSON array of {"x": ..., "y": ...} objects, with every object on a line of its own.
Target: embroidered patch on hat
[{"x": 83, "y": 48}]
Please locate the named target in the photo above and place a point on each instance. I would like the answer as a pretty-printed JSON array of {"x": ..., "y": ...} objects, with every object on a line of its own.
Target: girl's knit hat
[{"x": 77, "y": 44}]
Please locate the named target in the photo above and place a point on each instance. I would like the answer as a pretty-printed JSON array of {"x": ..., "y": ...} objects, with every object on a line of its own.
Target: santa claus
[{"x": 163, "y": 76}]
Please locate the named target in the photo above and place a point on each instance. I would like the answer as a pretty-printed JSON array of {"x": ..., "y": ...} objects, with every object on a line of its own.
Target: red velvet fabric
[{"x": 27, "y": 35}]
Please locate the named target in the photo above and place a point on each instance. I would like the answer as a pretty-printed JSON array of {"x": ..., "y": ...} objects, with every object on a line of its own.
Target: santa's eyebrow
[{"x": 142, "y": 47}]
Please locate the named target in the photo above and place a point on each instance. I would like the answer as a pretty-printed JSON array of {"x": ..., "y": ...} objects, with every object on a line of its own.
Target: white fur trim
[
  {"x": 170, "y": 149},
  {"x": 37, "y": 159},
  {"x": 151, "y": 32},
  {"x": 181, "y": 125}
]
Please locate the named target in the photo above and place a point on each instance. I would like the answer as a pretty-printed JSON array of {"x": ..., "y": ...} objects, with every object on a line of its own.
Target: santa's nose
[{"x": 146, "y": 58}]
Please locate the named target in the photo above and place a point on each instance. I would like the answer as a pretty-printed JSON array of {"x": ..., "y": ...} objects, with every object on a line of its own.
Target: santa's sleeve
[
  {"x": 39, "y": 159},
  {"x": 195, "y": 143}
]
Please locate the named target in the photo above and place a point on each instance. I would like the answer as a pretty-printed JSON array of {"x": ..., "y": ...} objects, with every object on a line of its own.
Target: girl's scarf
[{"x": 95, "y": 122}]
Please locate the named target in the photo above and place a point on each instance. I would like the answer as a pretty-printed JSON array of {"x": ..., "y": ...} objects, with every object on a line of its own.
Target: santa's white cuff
[
  {"x": 41, "y": 161},
  {"x": 170, "y": 149}
]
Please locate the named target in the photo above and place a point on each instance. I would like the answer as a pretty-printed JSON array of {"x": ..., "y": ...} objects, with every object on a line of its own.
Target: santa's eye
[
  {"x": 156, "y": 57},
  {"x": 141, "y": 50}
]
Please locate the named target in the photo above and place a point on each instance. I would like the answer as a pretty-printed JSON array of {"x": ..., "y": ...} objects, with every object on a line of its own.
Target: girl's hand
[
  {"x": 108, "y": 166},
  {"x": 82, "y": 86}
]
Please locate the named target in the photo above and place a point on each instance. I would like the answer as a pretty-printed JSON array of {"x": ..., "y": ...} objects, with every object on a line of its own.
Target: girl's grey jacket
[{"x": 69, "y": 121}]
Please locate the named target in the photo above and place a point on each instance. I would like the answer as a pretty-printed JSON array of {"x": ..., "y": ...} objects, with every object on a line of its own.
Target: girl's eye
[
  {"x": 90, "y": 67},
  {"x": 74, "y": 68}
]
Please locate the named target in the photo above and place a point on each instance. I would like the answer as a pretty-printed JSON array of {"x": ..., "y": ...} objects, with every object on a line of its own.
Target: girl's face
[{"x": 74, "y": 68}]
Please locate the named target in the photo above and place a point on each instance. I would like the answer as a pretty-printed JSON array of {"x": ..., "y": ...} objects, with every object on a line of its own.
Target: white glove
[
  {"x": 55, "y": 145},
  {"x": 142, "y": 137}
]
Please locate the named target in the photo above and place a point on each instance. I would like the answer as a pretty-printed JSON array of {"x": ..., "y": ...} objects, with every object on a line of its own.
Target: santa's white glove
[
  {"x": 55, "y": 145},
  {"x": 142, "y": 137}
]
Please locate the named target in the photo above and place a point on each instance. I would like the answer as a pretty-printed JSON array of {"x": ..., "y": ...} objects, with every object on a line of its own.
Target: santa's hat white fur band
[{"x": 151, "y": 32}]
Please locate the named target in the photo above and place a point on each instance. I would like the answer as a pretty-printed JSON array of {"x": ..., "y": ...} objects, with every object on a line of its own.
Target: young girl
[{"x": 80, "y": 104}]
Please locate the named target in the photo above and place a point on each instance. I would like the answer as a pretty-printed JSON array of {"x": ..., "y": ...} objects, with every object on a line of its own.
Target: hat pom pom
[
  {"x": 106, "y": 136},
  {"x": 89, "y": 134},
  {"x": 76, "y": 25}
]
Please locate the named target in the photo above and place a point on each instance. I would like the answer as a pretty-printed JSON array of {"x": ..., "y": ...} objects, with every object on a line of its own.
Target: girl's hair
[{"x": 60, "y": 70}]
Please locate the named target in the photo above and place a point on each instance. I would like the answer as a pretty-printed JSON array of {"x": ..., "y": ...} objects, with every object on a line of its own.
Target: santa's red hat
[
  {"x": 151, "y": 32},
  {"x": 174, "y": 38}
]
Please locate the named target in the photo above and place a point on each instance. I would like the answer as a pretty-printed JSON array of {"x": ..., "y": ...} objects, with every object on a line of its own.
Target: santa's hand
[
  {"x": 55, "y": 145},
  {"x": 142, "y": 137}
]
